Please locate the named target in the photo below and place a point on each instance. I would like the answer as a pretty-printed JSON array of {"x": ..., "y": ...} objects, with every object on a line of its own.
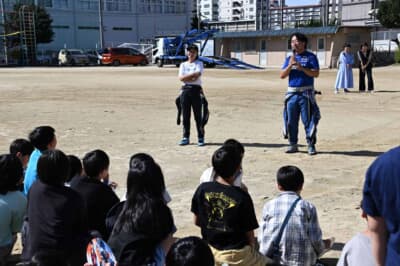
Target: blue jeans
[{"x": 299, "y": 105}]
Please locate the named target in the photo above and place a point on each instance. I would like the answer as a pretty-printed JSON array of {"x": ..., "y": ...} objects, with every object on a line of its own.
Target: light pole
[{"x": 101, "y": 24}]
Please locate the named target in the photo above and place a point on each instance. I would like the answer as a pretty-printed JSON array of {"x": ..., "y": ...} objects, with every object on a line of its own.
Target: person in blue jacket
[{"x": 301, "y": 67}]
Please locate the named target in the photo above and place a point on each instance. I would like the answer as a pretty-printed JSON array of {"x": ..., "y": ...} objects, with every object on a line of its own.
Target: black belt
[{"x": 191, "y": 86}]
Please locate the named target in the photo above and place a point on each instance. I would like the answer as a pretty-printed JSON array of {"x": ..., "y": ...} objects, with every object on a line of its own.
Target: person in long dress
[{"x": 344, "y": 78}]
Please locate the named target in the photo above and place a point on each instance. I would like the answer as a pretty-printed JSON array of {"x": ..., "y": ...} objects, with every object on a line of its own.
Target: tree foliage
[
  {"x": 389, "y": 13},
  {"x": 43, "y": 28}
]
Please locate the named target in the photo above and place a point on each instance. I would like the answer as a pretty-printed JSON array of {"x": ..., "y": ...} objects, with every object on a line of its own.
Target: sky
[{"x": 301, "y": 2}]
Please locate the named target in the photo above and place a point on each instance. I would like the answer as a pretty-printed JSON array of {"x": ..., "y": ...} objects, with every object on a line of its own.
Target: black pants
[
  {"x": 362, "y": 79},
  {"x": 190, "y": 98}
]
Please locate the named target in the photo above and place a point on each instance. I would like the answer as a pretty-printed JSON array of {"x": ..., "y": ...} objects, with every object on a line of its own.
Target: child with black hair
[
  {"x": 12, "y": 203},
  {"x": 98, "y": 196},
  {"x": 142, "y": 232},
  {"x": 358, "y": 251},
  {"x": 57, "y": 217},
  {"x": 22, "y": 148},
  {"x": 190, "y": 251},
  {"x": 300, "y": 242},
  {"x": 225, "y": 213},
  {"x": 75, "y": 168},
  {"x": 42, "y": 138},
  {"x": 210, "y": 175}
]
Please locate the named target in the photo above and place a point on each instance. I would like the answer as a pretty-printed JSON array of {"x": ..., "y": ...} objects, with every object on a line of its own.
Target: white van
[{"x": 72, "y": 57}]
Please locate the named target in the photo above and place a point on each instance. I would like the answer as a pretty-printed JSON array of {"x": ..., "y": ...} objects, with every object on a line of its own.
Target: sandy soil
[{"x": 125, "y": 110}]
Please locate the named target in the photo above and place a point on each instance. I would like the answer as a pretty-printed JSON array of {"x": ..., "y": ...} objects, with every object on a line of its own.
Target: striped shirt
[{"x": 301, "y": 241}]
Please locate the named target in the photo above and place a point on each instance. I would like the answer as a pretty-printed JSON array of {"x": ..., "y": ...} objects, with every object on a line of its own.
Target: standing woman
[
  {"x": 190, "y": 74},
  {"x": 344, "y": 78},
  {"x": 365, "y": 57}
]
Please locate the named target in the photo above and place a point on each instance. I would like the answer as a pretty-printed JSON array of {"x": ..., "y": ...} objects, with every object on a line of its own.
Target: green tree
[
  {"x": 389, "y": 13},
  {"x": 43, "y": 28}
]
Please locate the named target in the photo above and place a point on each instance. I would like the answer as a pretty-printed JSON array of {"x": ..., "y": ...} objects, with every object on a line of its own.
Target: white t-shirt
[
  {"x": 209, "y": 176},
  {"x": 189, "y": 68}
]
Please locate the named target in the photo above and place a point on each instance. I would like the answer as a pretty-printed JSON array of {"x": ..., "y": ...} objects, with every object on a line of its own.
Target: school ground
[{"x": 125, "y": 110}]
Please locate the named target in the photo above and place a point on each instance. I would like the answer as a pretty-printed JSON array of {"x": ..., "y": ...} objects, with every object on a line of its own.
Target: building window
[
  {"x": 122, "y": 28},
  {"x": 45, "y": 3},
  {"x": 88, "y": 28},
  {"x": 89, "y": 4},
  {"x": 60, "y": 27},
  {"x": 118, "y": 5},
  {"x": 62, "y": 4}
]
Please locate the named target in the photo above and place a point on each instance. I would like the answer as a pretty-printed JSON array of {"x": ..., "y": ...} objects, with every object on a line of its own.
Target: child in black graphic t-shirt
[{"x": 225, "y": 213}]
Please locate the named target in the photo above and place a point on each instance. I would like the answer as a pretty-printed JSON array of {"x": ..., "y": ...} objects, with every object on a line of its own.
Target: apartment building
[
  {"x": 76, "y": 22},
  {"x": 244, "y": 15}
]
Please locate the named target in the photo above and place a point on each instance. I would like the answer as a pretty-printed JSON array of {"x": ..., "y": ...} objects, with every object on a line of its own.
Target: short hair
[
  {"x": 190, "y": 251},
  {"x": 347, "y": 45},
  {"x": 11, "y": 173},
  {"x": 300, "y": 37},
  {"x": 290, "y": 178},
  {"x": 364, "y": 44},
  {"x": 95, "y": 162},
  {"x": 236, "y": 144},
  {"x": 226, "y": 161},
  {"x": 22, "y": 146},
  {"x": 75, "y": 166},
  {"x": 41, "y": 137},
  {"x": 192, "y": 47},
  {"x": 53, "y": 167}
]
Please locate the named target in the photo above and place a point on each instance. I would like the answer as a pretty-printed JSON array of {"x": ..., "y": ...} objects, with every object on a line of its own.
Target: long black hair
[{"x": 145, "y": 211}]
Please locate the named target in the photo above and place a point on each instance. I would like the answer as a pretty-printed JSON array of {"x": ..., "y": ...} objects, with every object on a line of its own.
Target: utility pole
[
  {"x": 101, "y": 24},
  {"x": 198, "y": 15},
  {"x": 3, "y": 18}
]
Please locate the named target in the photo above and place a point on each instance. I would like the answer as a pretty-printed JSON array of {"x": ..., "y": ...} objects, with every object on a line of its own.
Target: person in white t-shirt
[
  {"x": 209, "y": 174},
  {"x": 190, "y": 74}
]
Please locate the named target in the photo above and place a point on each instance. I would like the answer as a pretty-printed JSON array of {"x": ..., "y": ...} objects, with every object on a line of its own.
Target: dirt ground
[{"x": 125, "y": 110}]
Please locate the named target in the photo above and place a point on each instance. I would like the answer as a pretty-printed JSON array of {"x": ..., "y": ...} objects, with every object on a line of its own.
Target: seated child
[
  {"x": 225, "y": 213},
  {"x": 358, "y": 251},
  {"x": 301, "y": 242},
  {"x": 22, "y": 148},
  {"x": 12, "y": 203},
  {"x": 190, "y": 251},
  {"x": 210, "y": 175},
  {"x": 94, "y": 188}
]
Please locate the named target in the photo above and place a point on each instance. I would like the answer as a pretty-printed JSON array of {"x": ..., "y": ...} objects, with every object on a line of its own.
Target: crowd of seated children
[{"x": 139, "y": 230}]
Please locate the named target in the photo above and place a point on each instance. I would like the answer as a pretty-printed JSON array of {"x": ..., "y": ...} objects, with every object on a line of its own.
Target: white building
[{"x": 76, "y": 22}]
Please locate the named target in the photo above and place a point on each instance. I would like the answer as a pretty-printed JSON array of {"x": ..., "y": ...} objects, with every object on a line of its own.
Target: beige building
[{"x": 270, "y": 48}]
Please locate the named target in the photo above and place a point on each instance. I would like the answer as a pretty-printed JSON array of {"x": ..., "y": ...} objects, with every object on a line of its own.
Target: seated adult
[
  {"x": 12, "y": 203},
  {"x": 57, "y": 217}
]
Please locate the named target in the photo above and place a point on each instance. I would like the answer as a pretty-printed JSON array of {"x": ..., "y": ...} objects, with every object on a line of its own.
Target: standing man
[
  {"x": 381, "y": 203},
  {"x": 301, "y": 67},
  {"x": 190, "y": 74},
  {"x": 365, "y": 57}
]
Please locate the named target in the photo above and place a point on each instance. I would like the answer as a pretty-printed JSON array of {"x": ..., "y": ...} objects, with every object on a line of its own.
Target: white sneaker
[{"x": 336, "y": 91}]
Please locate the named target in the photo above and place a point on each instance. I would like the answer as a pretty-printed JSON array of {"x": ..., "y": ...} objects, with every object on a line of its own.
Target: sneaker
[
  {"x": 311, "y": 149},
  {"x": 336, "y": 91},
  {"x": 292, "y": 148},
  {"x": 184, "y": 141},
  {"x": 200, "y": 142},
  {"x": 371, "y": 91},
  {"x": 346, "y": 90}
]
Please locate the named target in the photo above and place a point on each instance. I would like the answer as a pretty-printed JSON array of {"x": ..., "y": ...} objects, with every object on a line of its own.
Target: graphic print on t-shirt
[{"x": 217, "y": 204}]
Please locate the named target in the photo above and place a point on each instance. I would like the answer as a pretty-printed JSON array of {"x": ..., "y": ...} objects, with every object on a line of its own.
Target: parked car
[
  {"x": 94, "y": 56},
  {"x": 72, "y": 57},
  {"x": 122, "y": 56}
]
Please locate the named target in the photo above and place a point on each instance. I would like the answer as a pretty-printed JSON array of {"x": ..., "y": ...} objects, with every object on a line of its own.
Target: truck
[{"x": 170, "y": 50}]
